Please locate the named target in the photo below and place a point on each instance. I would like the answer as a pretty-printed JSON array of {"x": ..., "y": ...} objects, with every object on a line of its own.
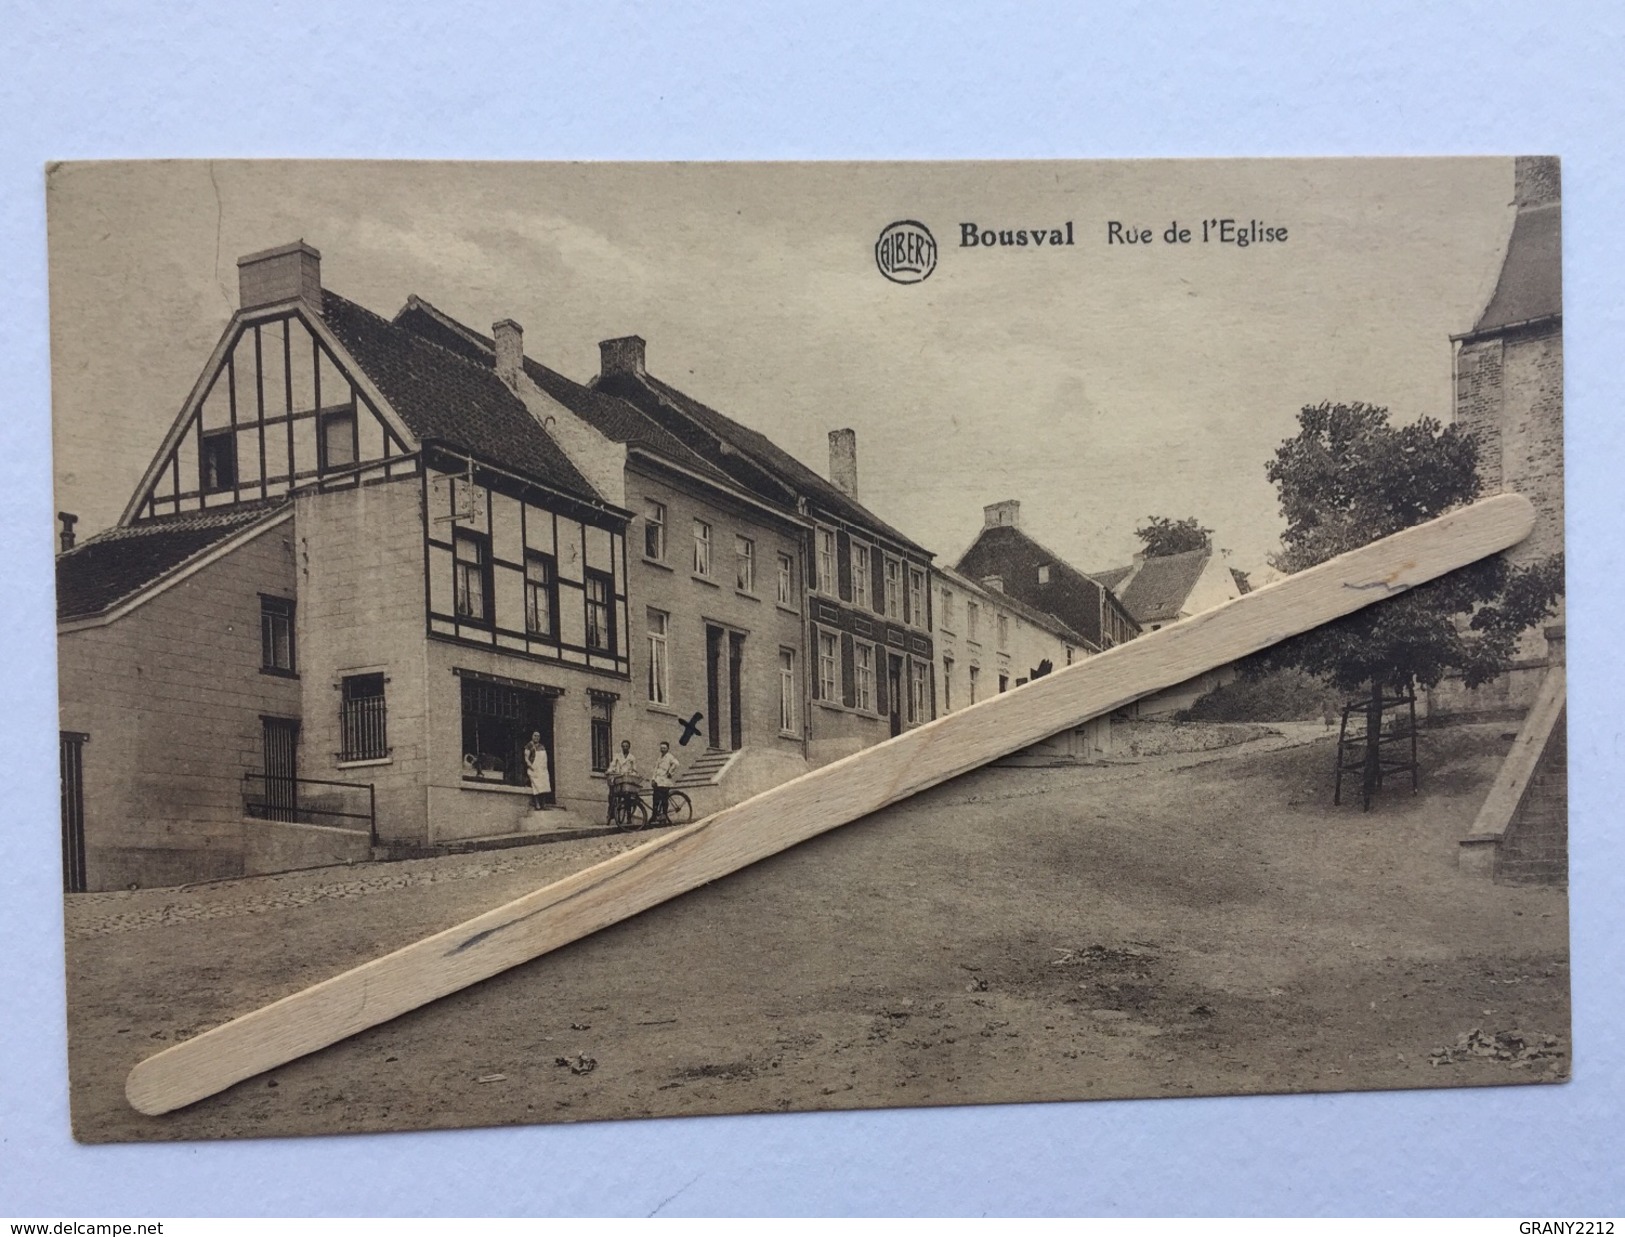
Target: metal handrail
[{"x": 264, "y": 808}]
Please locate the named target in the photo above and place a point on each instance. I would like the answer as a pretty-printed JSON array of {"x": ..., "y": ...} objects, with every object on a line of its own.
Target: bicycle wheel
[
  {"x": 679, "y": 809},
  {"x": 634, "y": 815}
]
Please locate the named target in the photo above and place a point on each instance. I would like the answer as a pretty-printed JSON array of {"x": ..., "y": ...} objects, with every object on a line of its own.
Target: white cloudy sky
[{"x": 1097, "y": 385}]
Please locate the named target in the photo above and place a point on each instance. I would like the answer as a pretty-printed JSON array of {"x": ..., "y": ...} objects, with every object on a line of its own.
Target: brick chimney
[
  {"x": 510, "y": 349},
  {"x": 286, "y": 273},
  {"x": 66, "y": 536},
  {"x": 1002, "y": 515},
  {"x": 843, "y": 461},
  {"x": 621, "y": 356}
]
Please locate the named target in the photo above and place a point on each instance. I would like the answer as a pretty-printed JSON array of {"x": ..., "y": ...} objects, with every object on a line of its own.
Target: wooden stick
[{"x": 779, "y": 818}]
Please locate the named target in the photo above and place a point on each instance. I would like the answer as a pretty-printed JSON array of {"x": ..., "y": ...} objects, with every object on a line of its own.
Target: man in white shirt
[
  {"x": 622, "y": 775},
  {"x": 663, "y": 779}
]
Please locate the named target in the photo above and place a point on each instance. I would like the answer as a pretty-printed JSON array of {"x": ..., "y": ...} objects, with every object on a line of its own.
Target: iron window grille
[{"x": 363, "y": 718}]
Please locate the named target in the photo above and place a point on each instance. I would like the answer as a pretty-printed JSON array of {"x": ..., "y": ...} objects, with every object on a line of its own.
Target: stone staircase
[{"x": 706, "y": 769}]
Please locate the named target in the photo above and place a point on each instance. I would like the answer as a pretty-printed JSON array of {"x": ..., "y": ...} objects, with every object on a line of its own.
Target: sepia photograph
[{"x": 431, "y": 533}]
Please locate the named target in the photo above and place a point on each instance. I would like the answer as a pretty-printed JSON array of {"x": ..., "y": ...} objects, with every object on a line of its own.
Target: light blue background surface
[{"x": 601, "y": 80}]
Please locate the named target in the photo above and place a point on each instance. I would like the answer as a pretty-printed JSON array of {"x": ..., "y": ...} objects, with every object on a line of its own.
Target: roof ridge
[
  {"x": 390, "y": 324},
  {"x": 414, "y": 301}
]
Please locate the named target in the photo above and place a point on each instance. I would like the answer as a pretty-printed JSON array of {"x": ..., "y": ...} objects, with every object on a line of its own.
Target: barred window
[{"x": 363, "y": 719}]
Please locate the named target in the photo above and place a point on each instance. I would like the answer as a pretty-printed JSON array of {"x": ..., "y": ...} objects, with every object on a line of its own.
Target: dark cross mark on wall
[{"x": 690, "y": 728}]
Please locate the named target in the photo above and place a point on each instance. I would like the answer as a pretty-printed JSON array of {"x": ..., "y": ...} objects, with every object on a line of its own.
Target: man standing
[
  {"x": 622, "y": 775},
  {"x": 663, "y": 779}
]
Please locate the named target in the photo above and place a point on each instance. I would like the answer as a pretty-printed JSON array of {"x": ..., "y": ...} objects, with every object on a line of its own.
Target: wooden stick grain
[{"x": 814, "y": 803}]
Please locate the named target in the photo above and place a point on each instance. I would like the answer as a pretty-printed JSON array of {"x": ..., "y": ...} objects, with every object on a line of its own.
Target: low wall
[{"x": 225, "y": 850}]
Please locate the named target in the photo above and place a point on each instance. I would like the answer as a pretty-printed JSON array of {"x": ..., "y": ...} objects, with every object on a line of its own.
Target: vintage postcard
[{"x": 428, "y": 532}]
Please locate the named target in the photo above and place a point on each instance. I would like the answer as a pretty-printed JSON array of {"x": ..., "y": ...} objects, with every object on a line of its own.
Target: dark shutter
[
  {"x": 843, "y": 565},
  {"x": 882, "y": 680},
  {"x": 877, "y": 587},
  {"x": 849, "y": 673}
]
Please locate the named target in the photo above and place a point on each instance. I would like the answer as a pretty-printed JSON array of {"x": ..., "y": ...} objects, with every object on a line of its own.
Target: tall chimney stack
[
  {"x": 510, "y": 349},
  {"x": 843, "y": 461},
  {"x": 1002, "y": 515},
  {"x": 67, "y": 537},
  {"x": 621, "y": 356},
  {"x": 286, "y": 273}
]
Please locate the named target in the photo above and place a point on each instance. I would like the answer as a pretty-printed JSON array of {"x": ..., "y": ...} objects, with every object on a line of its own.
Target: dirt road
[{"x": 1204, "y": 925}]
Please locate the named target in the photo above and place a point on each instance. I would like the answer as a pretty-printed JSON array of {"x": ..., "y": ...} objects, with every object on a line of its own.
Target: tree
[
  {"x": 1349, "y": 478},
  {"x": 1162, "y": 536}
]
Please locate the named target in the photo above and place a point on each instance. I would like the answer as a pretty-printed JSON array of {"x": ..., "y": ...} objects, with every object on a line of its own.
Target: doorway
[
  {"x": 713, "y": 686},
  {"x": 736, "y": 692}
]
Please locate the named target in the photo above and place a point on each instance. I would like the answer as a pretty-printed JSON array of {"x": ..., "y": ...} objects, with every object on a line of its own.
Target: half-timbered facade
[
  {"x": 414, "y": 570},
  {"x": 716, "y": 626}
]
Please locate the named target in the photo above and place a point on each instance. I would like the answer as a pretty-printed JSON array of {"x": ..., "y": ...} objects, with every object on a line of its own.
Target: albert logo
[{"x": 906, "y": 251}]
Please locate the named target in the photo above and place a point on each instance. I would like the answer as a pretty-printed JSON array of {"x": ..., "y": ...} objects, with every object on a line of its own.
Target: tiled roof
[
  {"x": 648, "y": 392},
  {"x": 115, "y": 565},
  {"x": 1531, "y": 282},
  {"x": 614, "y": 418},
  {"x": 1112, "y": 576},
  {"x": 1071, "y": 595},
  {"x": 447, "y": 397},
  {"x": 1157, "y": 592}
]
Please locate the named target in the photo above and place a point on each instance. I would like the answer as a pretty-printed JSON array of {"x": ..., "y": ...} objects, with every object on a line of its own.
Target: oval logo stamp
[{"x": 906, "y": 251}]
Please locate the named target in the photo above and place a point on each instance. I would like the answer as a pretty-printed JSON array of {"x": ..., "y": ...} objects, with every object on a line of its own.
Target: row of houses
[{"x": 374, "y": 560}]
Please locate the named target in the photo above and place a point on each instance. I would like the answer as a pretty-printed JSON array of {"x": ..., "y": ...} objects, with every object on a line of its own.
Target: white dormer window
[{"x": 1043, "y": 574}]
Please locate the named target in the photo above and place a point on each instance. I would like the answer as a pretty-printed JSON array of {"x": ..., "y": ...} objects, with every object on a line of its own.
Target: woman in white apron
[{"x": 541, "y": 783}]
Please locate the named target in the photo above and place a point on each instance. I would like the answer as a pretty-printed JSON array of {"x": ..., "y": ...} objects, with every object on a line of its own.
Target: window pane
[
  {"x": 702, "y": 548},
  {"x": 745, "y": 564},
  {"x": 654, "y": 529}
]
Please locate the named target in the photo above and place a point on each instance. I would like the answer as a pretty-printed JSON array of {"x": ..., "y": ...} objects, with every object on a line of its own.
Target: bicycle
[{"x": 629, "y": 811}]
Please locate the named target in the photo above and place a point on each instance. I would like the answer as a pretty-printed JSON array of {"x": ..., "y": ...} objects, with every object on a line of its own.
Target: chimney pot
[
  {"x": 1005, "y": 514},
  {"x": 510, "y": 349},
  {"x": 68, "y": 521},
  {"x": 843, "y": 461},
  {"x": 621, "y": 356},
  {"x": 286, "y": 273}
]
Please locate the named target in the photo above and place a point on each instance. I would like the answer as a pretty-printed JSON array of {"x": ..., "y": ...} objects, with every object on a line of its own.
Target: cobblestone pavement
[
  {"x": 1217, "y": 927},
  {"x": 102, "y": 914}
]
